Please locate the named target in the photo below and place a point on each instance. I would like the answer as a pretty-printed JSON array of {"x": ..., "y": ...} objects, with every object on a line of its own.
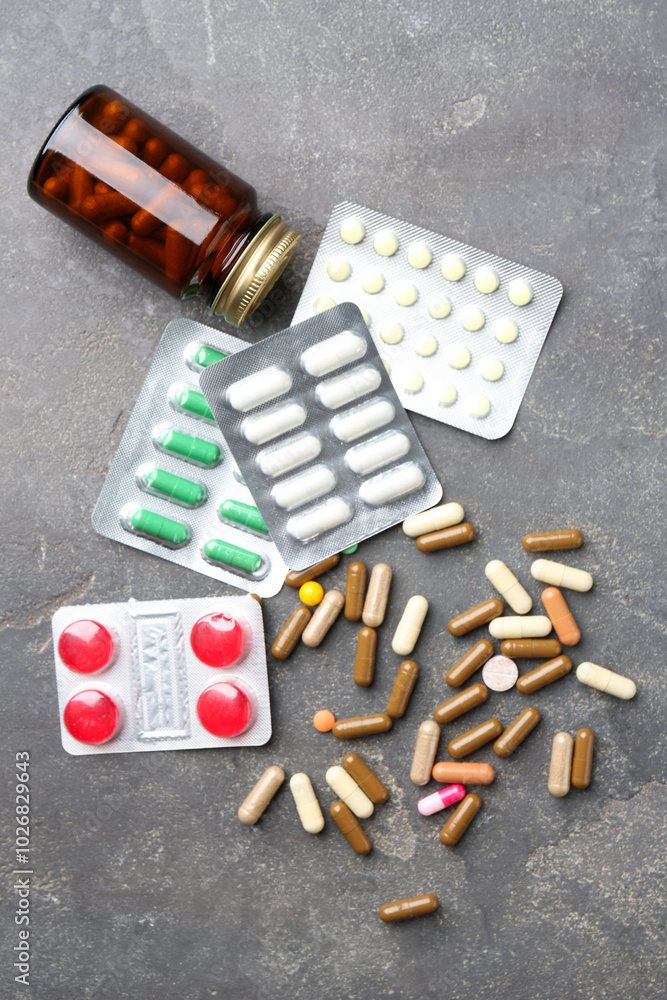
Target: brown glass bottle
[{"x": 161, "y": 205}]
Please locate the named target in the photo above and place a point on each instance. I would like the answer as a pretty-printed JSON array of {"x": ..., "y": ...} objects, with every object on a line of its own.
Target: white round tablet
[
  {"x": 519, "y": 292},
  {"x": 426, "y": 345},
  {"x": 471, "y": 318},
  {"x": 405, "y": 292},
  {"x": 439, "y": 306},
  {"x": 338, "y": 269},
  {"x": 452, "y": 267},
  {"x": 505, "y": 330},
  {"x": 371, "y": 280},
  {"x": 352, "y": 230},
  {"x": 500, "y": 673},
  {"x": 414, "y": 382},
  {"x": 457, "y": 355},
  {"x": 486, "y": 280},
  {"x": 420, "y": 254},
  {"x": 447, "y": 395},
  {"x": 491, "y": 368},
  {"x": 385, "y": 242},
  {"x": 322, "y": 303},
  {"x": 478, "y": 405},
  {"x": 391, "y": 331}
]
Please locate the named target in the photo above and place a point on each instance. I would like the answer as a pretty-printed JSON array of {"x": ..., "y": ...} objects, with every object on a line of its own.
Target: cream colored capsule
[
  {"x": 306, "y": 803},
  {"x": 520, "y": 626},
  {"x": 410, "y": 625},
  {"x": 432, "y": 520},
  {"x": 377, "y": 595},
  {"x": 326, "y": 614},
  {"x": 606, "y": 680},
  {"x": 560, "y": 767},
  {"x": 507, "y": 585},
  {"x": 345, "y": 787},
  {"x": 426, "y": 747},
  {"x": 560, "y": 575},
  {"x": 258, "y": 799}
]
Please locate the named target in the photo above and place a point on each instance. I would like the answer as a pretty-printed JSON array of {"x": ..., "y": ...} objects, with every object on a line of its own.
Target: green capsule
[
  {"x": 232, "y": 555},
  {"x": 171, "y": 487},
  {"x": 203, "y": 356},
  {"x": 243, "y": 514},
  {"x": 192, "y": 449},
  {"x": 193, "y": 402},
  {"x": 155, "y": 526}
]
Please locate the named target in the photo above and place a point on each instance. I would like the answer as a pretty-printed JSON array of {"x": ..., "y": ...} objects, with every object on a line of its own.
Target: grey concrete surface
[{"x": 535, "y": 130}]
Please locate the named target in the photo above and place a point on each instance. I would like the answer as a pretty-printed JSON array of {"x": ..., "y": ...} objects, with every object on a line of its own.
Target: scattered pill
[
  {"x": 446, "y": 538},
  {"x": 244, "y": 515},
  {"x": 388, "y": 486},
  {"x": 456, "y": 355},
  {"x": 363, "y": 419},
  {"x": 410, "y": 626},
  {"x": 158, "y": 528},
  {"x": 218, "y": 551},
  {"x": 461, "y": 703},
  {"x": 320, "y": 519},
  {"x": 93, "y": 716},
  {"x": 311, "y": 593},
  {"x": 401, "y": 692},
  {"x": 372, "y": 281},
  {"x": 507, "y": 585},
  {"x": 367, "y": 780},
  {"x": 339, "y": 269},
  {"x": 582, "y": 760},
  {"x": 259, "y": 798},
  {"x": 333, "y": 353},
  {"x": 86, "y": 646},
  {"x": 352, "y": 230},
  {"x": 439, "y": 307},
  {"x": 355, "y": 590},
  {"x": 474, "y": 738},
  {"x": 364, "y": 660},
  {"x": 225, "y": 708},
  {"x": 545, "y": 674},
  {"x": 474, "y": 617},
  {"x": 349, "y": 826},
  {"x": 324, "y": 720},
  {"x": 478, "y": 405},
  {"x": 372, "y": 455},
  {"x": 343, "y": 785},
  {"x": 486, "y": 280},
  {"x": 323, "y": 302},
  {"x": 460, "y": 820},
  {"x": 452, "y": 267},
  {"x": 404, "y": 909},
  {"x": 413, "y": 381},
  {"x": 545, "y": 541},
  {"x": 560, "y": 765},
  {"x": 362, "y": 725},
  {"x": 286, "y": 641},
  {"x": 491, "y": 368},
  {"x": 505, "y": 330},
  {"x": 391, "y": 332},
  {"x": 530, "y": 649},
  {"x": 259, "y": 388},
  {"x": 606, "y": 680},
  {"x": 442, "y": 799},
  {"x": 426, "y": 345},
  {"x": 467, "y": 773},
  {"x": 294, "y": 579},
  {"x": 471, "y": 661},
  {"x": 266, "y": 426},
  {"x": 426, "y": 747},
  {"x": 218, "y": 639},
  {"x": 500, "y": 673},
  {"x": 448, "y": 394},
  {"x": 434, "y": 519},
  {"x": 336, "y": 392},
  {"x": 419, "y": 254},
  {"x": 519, "y": 292},
  {"x": 520, "y": 626},
  {"x": 471, "y": 318},
  {"x": 191, "y": 449},
  {"x": 326, "y": 614},
  {"x": 178, "y": 490},
  {"x": 385, "y": 242},
  {"x": 306, "y": 803},
  {"x": 561, "y": 617},
  {"x": 559, "y": 575},
  {"x": 404, "y": 292},
  {"x": 516, "y": 732},
  {"x": 377, "y": 595}
]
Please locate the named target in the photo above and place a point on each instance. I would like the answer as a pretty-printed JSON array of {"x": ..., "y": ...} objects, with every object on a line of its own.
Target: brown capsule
[
  {"x": 516, "y": 732},
  {"x": 257, "y": 598},
  {"x": 546, "y": 541},
  {"x": 403, "y": 909},
  {"x": 325, "y": 615},
  {"x": 114, "y": 229},
  {"x": 475, "y": 738},
  {"x": 367, "y": 780},
  {"x": 545, "y": 674},
  {"x": 100, "y": 207},
  {"x": 151, "y": 250},
  {"x": 530, "y": 649},
  {"x": 135, "y": 129},
  {"x": 362, "y": 725},
  {"x": 80, "y": 187},
  {"x": 471, "y": 661},
  {"x": 126, "y": 143},
  {"x": 348, "y": 824},
  {"x": 401, "y": 692},
  {"x": 461, "y": 703},
  {"x": 426, "y": 747},
  {"x": 286, "y": 640},
  {"x": 55, "y": 186},
  {"x": 258, "y": 800},
  {"x": 468, "y": 773},
  {"x": 295, "y": 578},
  {"x": 446, "y": 538},
  {"x": 175, "y": 168},
  {"x": 364, "y": 660},
  {"x": 460, "y": 820},
  {"x": 355, "y": 591},
  {"x": 474, "y": 617},
  {"x": 379, "y": 585},
  {"x": 582, "y": 761},
  {"x": 560, "y": 616}
]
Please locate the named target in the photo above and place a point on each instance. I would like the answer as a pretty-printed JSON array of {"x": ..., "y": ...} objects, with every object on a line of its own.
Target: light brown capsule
[
  {"x": 403, "y": 909},
  {"x": 446, "y": 538},
  {"x": 560, "y": 616},
  {"x": 468, "y": 773},
  {"x": 461, "y": 703},
  {"x": 582, "y": 761},
  {"x": 426, "y": 747},
  {"x": 546, "y": 541},
  {"x": 355, "y": 591},
  {"x": 460, "y": 820},
  {"x": 560, "y": 765},
  {"x": 364, "y": 660},
  {"x": 367, "y": 780},
  {"x": 326, "y": 613},
  {"x": 471, "y": 661},
  {"x": 362, "y": 725},
  {"x": 256, "y": 803},
  {"x": 475, "y": 738},
  {"x": 295, "y": 578},
  {"x": 348, "y": 824},
  {"x": 516, "y": 732},
  {"x": 286, "y": 640},
  {"x": 379, "y": 585},
  {"x": 545, "y": 674},
  {"x": 474, "y": 617},
  {"x": 404, "y": 685},
  {"x": 530, "y": 649}
]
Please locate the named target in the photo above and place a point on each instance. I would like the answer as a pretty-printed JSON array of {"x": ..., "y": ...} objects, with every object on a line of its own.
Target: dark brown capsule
[
  {"x": 295, "y": 578},
  {"x": 530, "y": 649},
  {"x": 471, "y": 661},
  {"x": 364, "y": 660},
  {"x": 446, "y": 538},
  {"x": 582, "y": 761},
  {"x": 367, "y": 780},
  {"x": 404, "y": 685},
  {"x": 403, "y": 909},
  {"x": 362, "y": 725},
  {"x": 474, "y": 617},
  {"x": 461, "y": 703},
  {"x": 516, "y": 732},
  {"x": 348, "y": 824},
  {"x": 475, "y": 738},
  {"x": 545, "y": 674},
  {"x": 355, "y": 591},
  {"x": 289, "y": 635},
  {"x": 460, "y": 820},
  {"x": 547, "y": 541}
]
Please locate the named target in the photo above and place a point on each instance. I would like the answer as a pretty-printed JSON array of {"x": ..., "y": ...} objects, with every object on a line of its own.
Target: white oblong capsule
[
  {"x": 390, "y": 485},
  {"x": 560, "y": 575},
  {"x": 560, "y": 765},
  {"x": 410, "y": 625},
  {"x": 432, "y": 520},
  {"x": 333, "y": 353},
  {"x": 320, "y": 519},
  {"x": 336, "y": 392},
  {"x": 362, "y": 419},
  {"x": 259, "y": 388},
  {"x": 507, "y": 585},
  {"x": 291, "y": 493},
  {"x": 380, "y": 451},
  {"x": 290, "y": 455},
  {"x": 520, "y": 626},
  {"x": 603, "y": 679},
  {"x": 345, "y": 787},
  {"x": 306, "y": 803},
  {"x": 270, "y": 424}
]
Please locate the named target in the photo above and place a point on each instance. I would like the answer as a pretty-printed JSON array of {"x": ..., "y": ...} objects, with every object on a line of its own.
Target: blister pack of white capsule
[
  {"x": 459, "y": 329},
  {"x": 161, "y": 675},
  {"x": 173, "y": 488},
  {"x": 320, "y": 436}
]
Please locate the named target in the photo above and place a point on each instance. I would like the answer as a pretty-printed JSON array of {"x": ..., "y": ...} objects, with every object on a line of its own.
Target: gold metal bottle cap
[{"x": 256, "y": 272}]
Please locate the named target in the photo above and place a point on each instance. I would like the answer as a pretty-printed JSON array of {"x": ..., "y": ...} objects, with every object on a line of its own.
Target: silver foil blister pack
[
  {"x": 320, "y": 436},
  {"x": 173, "y": 488},
  {"x": 459, "y": 329}
]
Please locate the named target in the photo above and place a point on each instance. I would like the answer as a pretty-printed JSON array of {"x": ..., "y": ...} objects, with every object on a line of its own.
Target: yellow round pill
[{"x": 311, "y": 593}]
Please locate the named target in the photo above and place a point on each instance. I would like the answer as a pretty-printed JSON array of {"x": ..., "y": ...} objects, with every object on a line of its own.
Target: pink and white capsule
[{"x": 444, "y": 797}]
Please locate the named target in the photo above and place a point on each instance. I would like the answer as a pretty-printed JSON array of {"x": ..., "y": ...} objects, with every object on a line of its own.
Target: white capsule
[
  {"x": 320, "y": 519},
  {"x": 410, "y": 625},
  {"x": 343, "y": 389},
  {"x": 269, "y": 425},
  {"x": 345, "y": 787},
  {"x": 380, "y": 451},
  {"x": 306, "y": 803},
  {"x": 433, "y": 519},
  {"x": 290, "y": 455},
  {"x": 333, "y": 353},
  {"x": 259, "y": 388},
  {"x": 390, "y": 485},
  {"x": 291, "y": 493},
  {"x": 559, "y": 575},
  {"x": 507, "y": 585},
  {"x": 362, "y": 419},
  {"x": 520, "y": 626},
  {"x": 606, "y": 680}
]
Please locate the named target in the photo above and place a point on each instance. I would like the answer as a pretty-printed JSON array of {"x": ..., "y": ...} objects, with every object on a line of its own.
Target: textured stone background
[{"x": 535, "y": 130}]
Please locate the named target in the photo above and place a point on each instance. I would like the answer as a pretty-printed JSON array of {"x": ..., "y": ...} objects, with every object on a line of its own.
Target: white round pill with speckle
[
  {"x": 471, "y": 318},
  {"x": 457, "y": 355},
  {"x": 478, "y": 405},
  {"x": 439, "y": 307},
  {"x": 452, "y": 267},
  {"x": 491, "y": 368},
  {"x": 519, "y": 292},
  {"x": 419, "y": 254},
  {"x": 371, "y": 280},
  {"x": 414, "y": 382},
  {"x": 486, "y": 280},
  {"x": 391, "y": 331},
  {"x": 338, "y": 269},
  {"x": 426, "y": 345},
  {"x": 500, "y": 673},
  {"x": 405, "y": 292},
  {"x": 505, "y": 330},
  {"x": 322, "y": 303},
  {"x": 447, "y": 395},
  {"x": 352, "y": 230},
  {"x": 385, "y": 242}
]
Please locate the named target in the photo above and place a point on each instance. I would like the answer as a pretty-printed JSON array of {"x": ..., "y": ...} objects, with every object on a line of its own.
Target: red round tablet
[
  {"x": 92, "y": 716},
  {"x": 86, "y": 646},
  {"x": 224, "y": 709},
  {"x": 218, "y": 640}
]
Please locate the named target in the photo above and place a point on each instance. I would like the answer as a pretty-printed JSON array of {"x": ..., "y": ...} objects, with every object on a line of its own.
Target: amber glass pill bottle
[{"x": 161, "y": 205}]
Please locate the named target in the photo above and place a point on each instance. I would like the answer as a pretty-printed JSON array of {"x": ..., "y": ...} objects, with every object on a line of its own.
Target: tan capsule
[
  {"x": 258, "y": 799},
  {"x": 295, "y": 578},
  {"x": 367, "y": 780},
  {"x": 474, "y": 738},
  {"x": 289, "y": 635},
  {"x": 326, "y": 613},
  {"x": 426, "y": 747},
  {"x": 364, "y": 660},
  {"x": 582, "y": 761},
  {"x": 561, "y": 764},
  {"x": 503, "y": 579},
  {"x": 410, "y": 626},
  {"x": 355, "y": 591},
  {"x": 468, "y": 773},
  {"x": 544, "y": 541},
  {"x": 403, "y": 909},
  {"x": 362, "y": 725},
  {"x": 377, "y": 595},
  {"x": 345, "y": 787},
  {"x": 461, "y": 703},
  {"x": 560, "y": 575},
  {"x": 306, "y": 803},
  {"x": 516, "y": 732},
  {"x": 446, "y": 538},
  {"x": 460, "y": 820},
  {"x": 474, "y": 617},
  {"x": 433, "y": 519},
  {"x": 348, "y": 824},
  {"x": 606, "y": 680},
  {"x": 520, "y": 626},
  {"x": 560, "y": 616},
  {"x": 530, "y": 649},
  {"x": 471, "y": 661},
  {"x": 545, "y": 674},
  {"x": 404, "y": 685}
]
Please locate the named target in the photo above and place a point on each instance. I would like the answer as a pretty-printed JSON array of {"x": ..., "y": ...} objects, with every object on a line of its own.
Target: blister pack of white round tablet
[
  {"x": 173, "y": 488},
  {"x": 459, "y": 329},
  {"x": 161, "y": 675},
  {"x": 320, "y": 436}
]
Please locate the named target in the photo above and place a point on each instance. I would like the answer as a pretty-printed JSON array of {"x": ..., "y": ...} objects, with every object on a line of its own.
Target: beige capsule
[
  {"x": 410, "y": 625},
  {"x": 560, "y": 766},
  {"x": 603, "y": 679},
  {"x": 559, "y": 575},
  {"x": 401, "y": 692},
  {"x": 433, "y": 519},
  {"x": 377, "y": 595},
  {"x": 306, "y": 803},
  {"x": 325, "y": 615},
  {"x": 520, "y": 626},
  {"x": 259, "y": 798},
  {"x": 426, "y": 747},
  {"x": 503, "y": 579},
  {"x": 346, "y": 788}
]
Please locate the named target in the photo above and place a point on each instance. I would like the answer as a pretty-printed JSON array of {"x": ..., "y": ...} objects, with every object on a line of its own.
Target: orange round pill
[
  {"x": 311, "y": 593},
  {"x": 324, "y": 720}
]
